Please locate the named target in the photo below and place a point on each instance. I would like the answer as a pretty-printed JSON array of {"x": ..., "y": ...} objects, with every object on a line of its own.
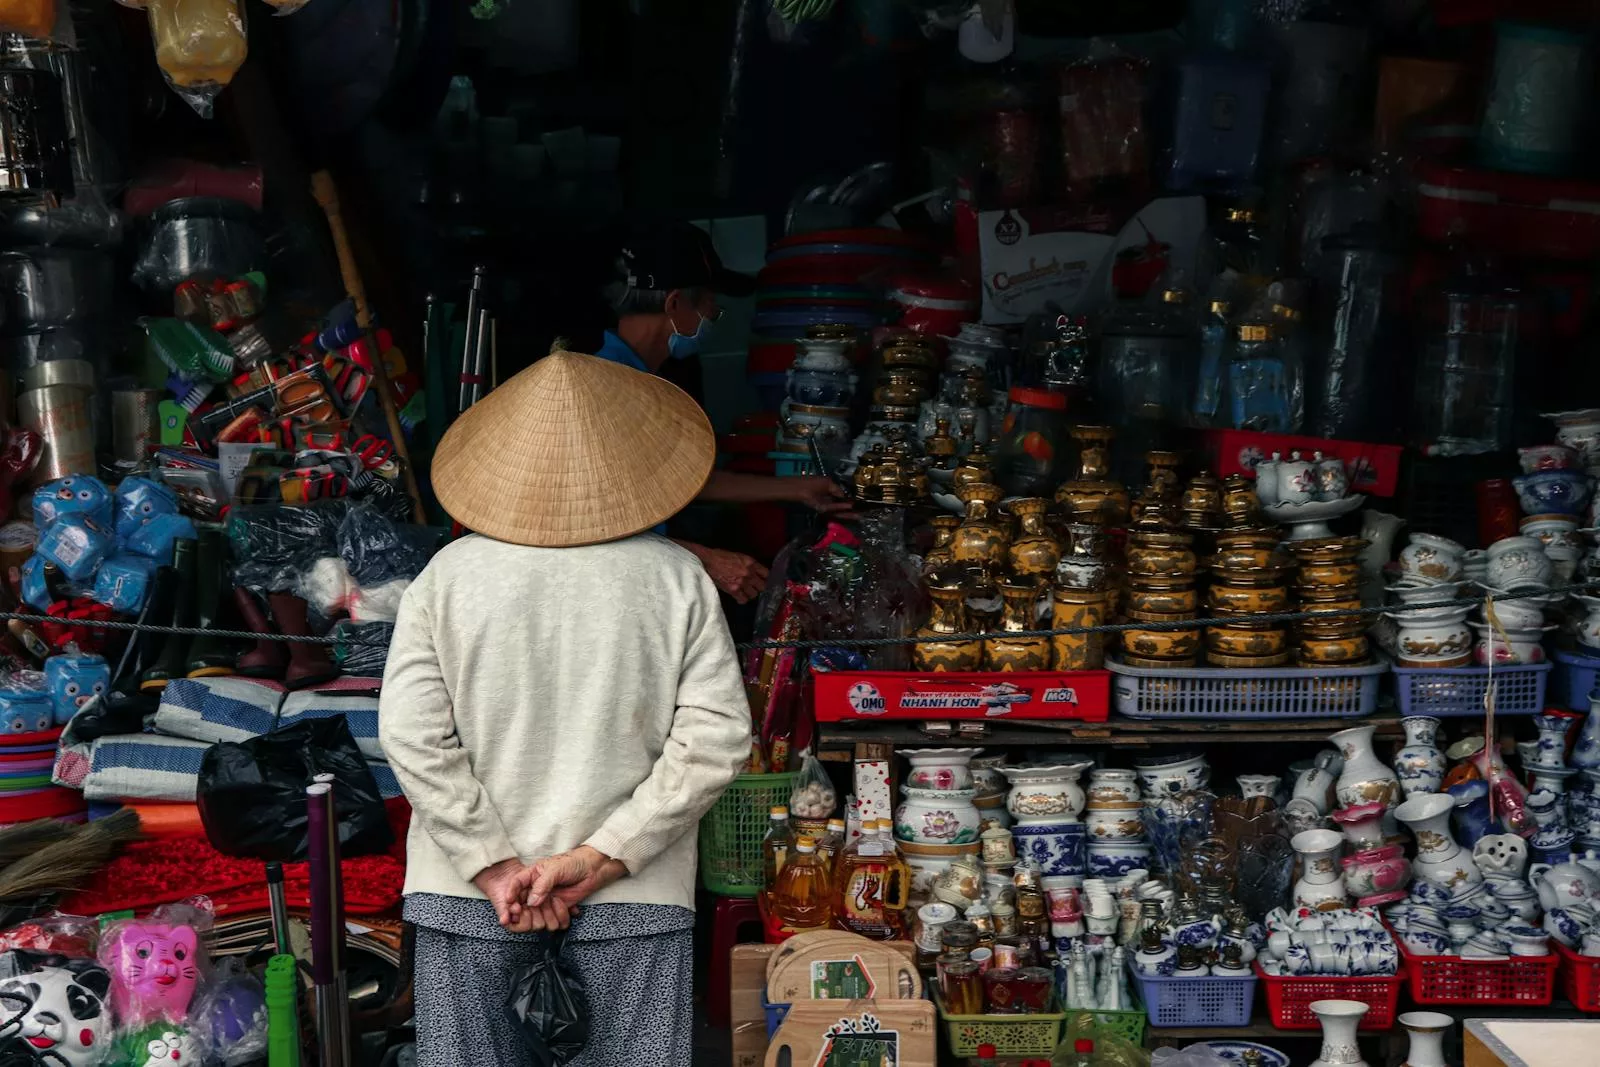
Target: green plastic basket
[
  {"x": 731, "y": 833},
  {"x": 1011, "y": 1035}
]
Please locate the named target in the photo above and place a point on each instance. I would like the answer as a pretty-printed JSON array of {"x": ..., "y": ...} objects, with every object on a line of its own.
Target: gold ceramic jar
[
  {"x": 1091, "y": 495},
  {"x": 1020, "y": 613},
  {"x": 1247, "y": 640},
  {"x": 1229, "y": 599},
  {"x": 1075, "y": 609},
  {"x": 1157, "y": 552},
  {"x": 1157, "y": 648},
  {"x": 977, "y": 467},
  {"x": 1337, "y": 626},
  {"x": 944, "y": 533},
  {"x": 1327, "y": 549},
  {"x": 1328, "y": 576},
  {"x": 1202, "y": 502},
  {"x": 1241, "y": 508},
  {"x": 982, "y": 538},
  {"x": 948, "y": 594},
  {"x": 1034, "y": 553},
  {"x": 940, "y": 447},
  {"x": 1164, "y": 596},
  {"x": 1334, "y": 651}
]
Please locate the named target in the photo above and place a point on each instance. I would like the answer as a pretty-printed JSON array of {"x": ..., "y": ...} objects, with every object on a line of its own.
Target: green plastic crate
[{"x": 731, "y": 833}]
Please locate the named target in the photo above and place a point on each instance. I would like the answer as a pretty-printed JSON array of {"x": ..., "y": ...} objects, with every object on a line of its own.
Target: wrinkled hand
[
  {"x": 735, "y": 573},
  {"x": 506, "y": 884},
  {"x": 820, "y": 494},
  {"x": 562, "y": 882}
]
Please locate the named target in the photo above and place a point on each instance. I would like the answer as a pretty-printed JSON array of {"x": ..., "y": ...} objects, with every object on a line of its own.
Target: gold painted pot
[
  {"x": 1202, "y": 500},
  {"x": 1240, "y": 505},
  {"x": 982, "y": 538},
  {"x": 1332, "y": 629},
  {"x": 1248, "y": 600},
  {"x": 1169, "y": 646},
  {"x": 944, "y": 533},
  {"x": 1175, "y": 599},
  {"x": 1334, "y": 651},
  {"x": 977, "y": 467},
  {"x": 1248, "y": 663},
  {"x": 1244, "y": 640},
  {"x": 1329, "y": 575},
  {"x": 949, "y": 617},
  {"x": 1072, "y": 608},
  {"x": 1328, "y": 549},
  {"x": 1091, "y": 495},
  {"x": 1154, "y": 552},
  {"x": 1035, "y": 552},
  {"x": 1244, "y": 558},
  {"x": 1020, "y": 613}
]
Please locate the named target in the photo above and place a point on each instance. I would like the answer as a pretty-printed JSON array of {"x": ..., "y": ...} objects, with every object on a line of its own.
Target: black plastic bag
[
  {"x": 252, "y": 794},
  {"x": 548, "y": 1007}
]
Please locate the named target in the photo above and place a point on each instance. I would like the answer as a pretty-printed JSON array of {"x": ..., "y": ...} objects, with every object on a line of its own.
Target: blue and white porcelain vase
[
  {"x": 1551, "y": 751},
  {"x": 1420, "y": 765},
  {"x": 1586, "y": 753}
]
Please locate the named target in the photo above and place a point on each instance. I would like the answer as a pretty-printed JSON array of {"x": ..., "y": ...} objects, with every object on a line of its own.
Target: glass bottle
[
  {"x": 1145, "y": 360},
  {"x": 1032, "y": 439},
  {"x": 775, "y": 846},
  {"x": 803, "y": 897},
  {"x": 1462, "y": 402},
  {"x": 1213, "y": 362},
  {"x": 1258, "y": 381}
]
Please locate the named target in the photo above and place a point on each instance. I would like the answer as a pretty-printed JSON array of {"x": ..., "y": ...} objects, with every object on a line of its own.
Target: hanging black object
[
  {"x": 548, "y": 1007},
  {"x": 252, "y": 794},
  {"x": 35, "y": 154}
]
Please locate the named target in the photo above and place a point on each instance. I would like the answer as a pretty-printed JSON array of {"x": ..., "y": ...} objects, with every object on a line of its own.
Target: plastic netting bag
[
  {"x": 814, "y": 798},
  {"x": 548, "y": 1007}
]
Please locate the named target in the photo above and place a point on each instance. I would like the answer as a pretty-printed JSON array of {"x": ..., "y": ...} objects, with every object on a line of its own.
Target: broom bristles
[
  {"x": 23, "y": 839},
  {"x": 66, "y": 864}
]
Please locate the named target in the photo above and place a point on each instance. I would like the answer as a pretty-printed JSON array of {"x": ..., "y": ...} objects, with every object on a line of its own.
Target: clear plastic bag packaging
[
  {"x": 378, "y": 603},
  {"x": 1104, "y": 149},
  {"x": 54, "y": 1009},
  {"x": 76, "y": 545},
  {"x": 76, "y": 494},
  {"x": 363, "y": 647},
  {"x": 272, "y": 534},
  {"x": 138, "y": 500},
  {"x": 200, "y": 45},
  {"x": 814, "y": 800},
  {"x": 230, "y": 1016},
  {"x": 156, "y": 963},
  {"x": 56, "y": 935}
]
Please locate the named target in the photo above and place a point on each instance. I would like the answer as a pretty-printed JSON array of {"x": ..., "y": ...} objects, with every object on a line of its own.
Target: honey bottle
[{"x": 803, "y": 897}]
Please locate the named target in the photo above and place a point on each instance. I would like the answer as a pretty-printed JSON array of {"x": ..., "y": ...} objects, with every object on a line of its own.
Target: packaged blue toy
[
  {"x": 76, "y": 494},
  {"x": 123, "y": 582},
  {"x": 153, "y": 539},
  {"x": 73, "y": 681},
  {"x": 76, "y": 545},
  {"x": 35, "y": 590},
  {"x": 138, "y": 501},
  {"x": 25, "y": 711}
]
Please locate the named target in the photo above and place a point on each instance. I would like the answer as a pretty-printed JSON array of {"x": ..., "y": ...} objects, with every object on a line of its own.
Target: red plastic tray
[
  {"x": 1374, "y": 469},
  {"x": 1519, "y": 980},
  {"x": 1580, "y": 978},
  {"x": 1289, "y": 999},
  {"x": 1520, "y": 215},
  {"x": 855, "y": 696}
]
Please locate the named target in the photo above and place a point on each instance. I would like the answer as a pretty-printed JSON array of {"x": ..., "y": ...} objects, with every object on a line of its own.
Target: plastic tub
[
  {"x": 1572, "y": 679},
  {"x": 1289, "y": 999},
  {"x": 1197, "y": 1001}
]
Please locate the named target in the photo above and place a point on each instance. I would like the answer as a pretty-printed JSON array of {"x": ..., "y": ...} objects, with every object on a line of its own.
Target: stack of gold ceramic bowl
[
  {"x": 1329, "y": 579},
  {"x": 1248, "y": 576},
  {"x": 1161, "y": 589}
]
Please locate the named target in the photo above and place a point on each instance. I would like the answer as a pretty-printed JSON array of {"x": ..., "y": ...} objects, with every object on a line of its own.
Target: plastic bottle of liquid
[
  {"x": 832, "y": 843},
  {"x": 775, "y": 846},
  {"x": 803, "y": 899},
  {"x": 871, "y": 885},
  {"x": 1083, "y": 1053}
]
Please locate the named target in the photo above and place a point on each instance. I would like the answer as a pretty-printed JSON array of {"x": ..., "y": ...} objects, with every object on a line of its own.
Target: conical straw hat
[{"x": 574, "y": 450}]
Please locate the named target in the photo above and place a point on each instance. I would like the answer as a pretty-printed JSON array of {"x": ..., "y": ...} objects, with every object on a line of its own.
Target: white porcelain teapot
[{"x": 1564, "y": 885}]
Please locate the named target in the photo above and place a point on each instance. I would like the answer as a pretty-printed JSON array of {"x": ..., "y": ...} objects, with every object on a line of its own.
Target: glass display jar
[
  {"x": 1031, "y": 442},
  {"x": 1461, "y": 404},
  {"x": 1146, "y": 361}
]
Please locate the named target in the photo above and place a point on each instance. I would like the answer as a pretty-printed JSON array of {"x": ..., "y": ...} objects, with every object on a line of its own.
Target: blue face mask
[{"x": 684, "y": 345}]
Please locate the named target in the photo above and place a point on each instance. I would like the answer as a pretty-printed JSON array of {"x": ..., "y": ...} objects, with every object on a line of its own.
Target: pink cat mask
[{"x": 154, "y": 969}]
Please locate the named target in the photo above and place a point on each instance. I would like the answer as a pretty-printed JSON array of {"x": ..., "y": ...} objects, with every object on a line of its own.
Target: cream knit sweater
[{"x": 537, "y": 699}]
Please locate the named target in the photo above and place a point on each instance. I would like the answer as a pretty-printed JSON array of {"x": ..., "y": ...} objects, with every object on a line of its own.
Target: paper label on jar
[{"x": 841, "y": 980}]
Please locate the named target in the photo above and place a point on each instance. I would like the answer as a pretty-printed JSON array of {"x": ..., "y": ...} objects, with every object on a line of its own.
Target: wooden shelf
[{"x": 1117, "y": 732}]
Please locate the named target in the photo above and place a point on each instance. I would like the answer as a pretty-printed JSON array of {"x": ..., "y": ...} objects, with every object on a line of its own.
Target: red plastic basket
[
  {"x": 1525, "y": 980},
  {"x": 1580, "y": 978},
  {"x": 1289, "y": 999}
]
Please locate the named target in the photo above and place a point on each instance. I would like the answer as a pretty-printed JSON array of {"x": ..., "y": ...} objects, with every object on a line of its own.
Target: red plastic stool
[{"x": 736, "y": 921}]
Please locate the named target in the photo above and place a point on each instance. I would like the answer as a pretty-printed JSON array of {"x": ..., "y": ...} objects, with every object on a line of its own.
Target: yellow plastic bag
[{"x": 200, "y": 46}]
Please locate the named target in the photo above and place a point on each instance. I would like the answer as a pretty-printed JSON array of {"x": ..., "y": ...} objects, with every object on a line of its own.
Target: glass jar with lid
[
  {"x": 1032, "y": 440},
  {"x": 1147, "y": 361}
]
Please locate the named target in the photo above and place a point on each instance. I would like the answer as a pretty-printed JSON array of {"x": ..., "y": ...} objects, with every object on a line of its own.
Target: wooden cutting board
[
  {"x": 845, "y": 967},
  {"x": 857, "y": 1033}
]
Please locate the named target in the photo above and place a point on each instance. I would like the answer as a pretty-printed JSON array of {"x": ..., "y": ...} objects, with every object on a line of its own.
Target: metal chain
[{"x": 1186, "y": 624}]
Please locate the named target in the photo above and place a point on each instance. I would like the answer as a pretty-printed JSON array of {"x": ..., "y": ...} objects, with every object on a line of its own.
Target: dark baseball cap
[{"x": 680, "y": 256}]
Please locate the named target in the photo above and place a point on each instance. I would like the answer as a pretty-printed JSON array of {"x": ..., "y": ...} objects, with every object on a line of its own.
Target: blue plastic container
[
  {"x": 1197, "y": 1002},
  {"x": 1235, "y": 693},
  {"x": 1458, "y": 691},
  {"x": 1573, "y": 678}
]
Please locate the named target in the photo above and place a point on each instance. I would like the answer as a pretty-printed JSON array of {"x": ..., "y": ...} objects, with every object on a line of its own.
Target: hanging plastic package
[
  {"x": 35, "y": 588},
  {"x": 122, "y": 583},
  {"x": 548, "y": 1006},
  {"x": 252, "y": 794},
  {"x": 200, "y": 46},
  {"x": 30, "y": 18},
  {"x": 814, "y": 800}
]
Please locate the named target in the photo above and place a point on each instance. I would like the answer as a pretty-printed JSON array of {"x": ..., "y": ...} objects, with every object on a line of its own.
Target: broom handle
[{"x": 327, "y": 195}]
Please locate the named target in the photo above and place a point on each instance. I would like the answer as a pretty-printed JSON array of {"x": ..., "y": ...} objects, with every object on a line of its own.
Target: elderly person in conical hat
[{"x": 561, "y": 704}]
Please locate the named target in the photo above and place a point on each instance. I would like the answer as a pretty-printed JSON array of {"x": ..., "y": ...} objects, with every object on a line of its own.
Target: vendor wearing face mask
[{"x": 664, "y": 299}]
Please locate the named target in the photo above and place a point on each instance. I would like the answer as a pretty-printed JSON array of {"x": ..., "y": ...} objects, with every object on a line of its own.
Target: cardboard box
[
  {"x": 1075, "y": 259},
  {"x": 856, "y": 1033}
]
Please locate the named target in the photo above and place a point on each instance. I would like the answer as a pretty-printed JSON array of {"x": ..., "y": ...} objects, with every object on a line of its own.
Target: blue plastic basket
[
  {"x": 775, "y": 1014},
  {"x": 1235, "y": 693},
  {"x": 1197, "y": 1001},
  {"x": 1574, "y": 677},
  {"x": 1458, "y": 691}
]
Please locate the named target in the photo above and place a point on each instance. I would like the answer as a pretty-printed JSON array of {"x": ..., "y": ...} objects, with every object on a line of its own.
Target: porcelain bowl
[
  {"x": 1552, "y": 492},
  {"x": 1123, "y": 821},
  {"x": 1164, "y": 776},
  {"x": 1113, "y": 859},
  {"x": 1057, "y": 849}
]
